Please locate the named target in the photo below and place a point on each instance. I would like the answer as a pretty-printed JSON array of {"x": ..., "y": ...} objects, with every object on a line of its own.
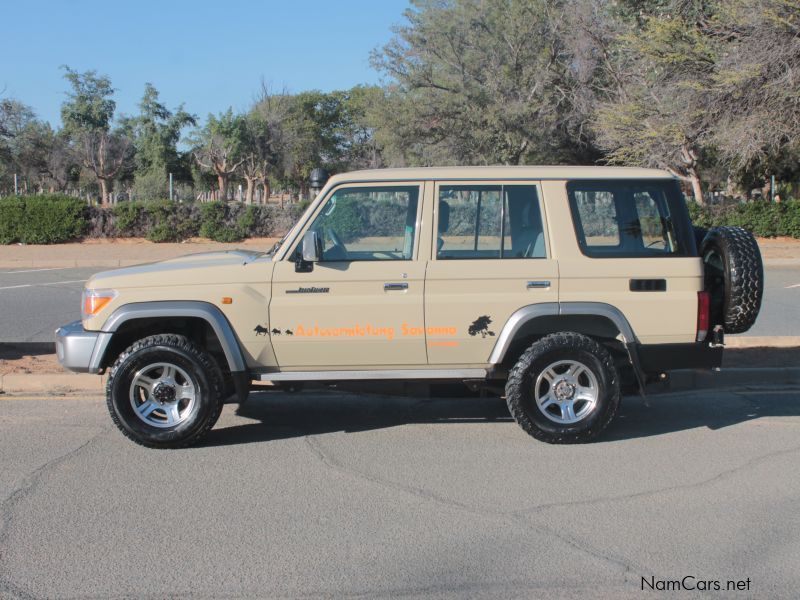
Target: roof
[{"x": 502, "y": 172}]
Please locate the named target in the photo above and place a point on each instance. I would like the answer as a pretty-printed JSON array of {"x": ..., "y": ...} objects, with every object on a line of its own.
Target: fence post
[{"x": 170, "y": 187}]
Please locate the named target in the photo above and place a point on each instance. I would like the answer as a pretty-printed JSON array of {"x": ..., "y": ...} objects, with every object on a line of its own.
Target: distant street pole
[
  {"x": 772, "y": 189},
  {"x": 16, "y": 187},
  {"x": 170, "y": 187}
]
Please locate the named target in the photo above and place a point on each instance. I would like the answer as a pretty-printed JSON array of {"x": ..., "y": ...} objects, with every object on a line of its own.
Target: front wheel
[
  {"x": 165, "y": 392},
  {"x": 564, "y": 389}
]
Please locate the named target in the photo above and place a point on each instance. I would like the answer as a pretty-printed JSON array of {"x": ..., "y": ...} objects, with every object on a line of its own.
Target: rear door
[
  {"x": 490, "y": 257},
  {"x": 635, "y": 252}
]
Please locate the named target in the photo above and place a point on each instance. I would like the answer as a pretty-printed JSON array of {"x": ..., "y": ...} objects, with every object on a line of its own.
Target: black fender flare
[
  {"x": 532, "y": 312},
  {"x": 172, "y": 309}
]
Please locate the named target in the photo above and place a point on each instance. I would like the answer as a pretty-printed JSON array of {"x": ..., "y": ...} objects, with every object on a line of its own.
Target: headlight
[{"x": 92, "y": 301}]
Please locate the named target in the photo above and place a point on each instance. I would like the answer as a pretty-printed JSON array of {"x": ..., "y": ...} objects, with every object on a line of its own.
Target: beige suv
[{"x": 564, "y": 285}]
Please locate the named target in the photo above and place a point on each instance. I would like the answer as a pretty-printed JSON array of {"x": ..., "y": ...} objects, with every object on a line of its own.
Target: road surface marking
[
  {"x": 27, "y": 285},
  {"x": 37, "y": 270}
]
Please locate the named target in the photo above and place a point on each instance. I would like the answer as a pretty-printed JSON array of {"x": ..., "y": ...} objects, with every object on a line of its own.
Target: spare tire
[
  {"x": 734, "y": 276},
  {"x": 699, "y": 235}
]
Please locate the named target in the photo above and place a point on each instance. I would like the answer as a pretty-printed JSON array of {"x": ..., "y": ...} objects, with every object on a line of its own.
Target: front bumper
[{"x": 75, "y": 347}]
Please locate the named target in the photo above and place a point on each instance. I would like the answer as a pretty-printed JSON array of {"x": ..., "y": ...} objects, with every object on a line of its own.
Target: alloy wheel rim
[
  {"x": 566, "y": 392},
  {"x": 163, "y": 395}
]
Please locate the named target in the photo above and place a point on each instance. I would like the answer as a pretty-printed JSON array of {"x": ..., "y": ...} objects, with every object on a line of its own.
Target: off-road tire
[
  {"x": 734, "y": 276},
  {"x": 174, "y": 349},
  {"x": 551, "y": 348}
]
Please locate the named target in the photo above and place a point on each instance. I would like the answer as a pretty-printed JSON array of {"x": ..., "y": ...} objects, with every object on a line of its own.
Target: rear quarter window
[{"x": 630, "y": 218}]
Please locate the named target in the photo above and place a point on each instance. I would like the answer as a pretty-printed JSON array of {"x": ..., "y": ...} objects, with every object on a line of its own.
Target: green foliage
[
  {"x": 89, "y": 106},
  {"x": 48, "y": 219},
  {"x": 12, "y": 213},
  {"x": 156, "y": 132},
  {"x": 764, "y": 219},
  {"x": 214, "y": 223}
]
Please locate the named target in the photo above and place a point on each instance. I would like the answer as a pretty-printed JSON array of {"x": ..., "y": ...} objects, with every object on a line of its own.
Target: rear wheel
[
  {"x": 564, "y": 389},
  {"x": 165, "y": 392}
]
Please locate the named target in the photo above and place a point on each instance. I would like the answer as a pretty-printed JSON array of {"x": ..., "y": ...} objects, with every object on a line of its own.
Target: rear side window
[{"x": 629, "y": 218}]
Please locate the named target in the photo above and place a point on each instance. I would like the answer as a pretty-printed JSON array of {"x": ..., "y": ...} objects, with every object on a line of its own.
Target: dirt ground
[
  {"x": 781, "y": 247},
  {"x": 110, "y": 252}
]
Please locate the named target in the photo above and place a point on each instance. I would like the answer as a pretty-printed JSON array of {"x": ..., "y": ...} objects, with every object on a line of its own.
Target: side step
[{"x": 389, "y": 374}]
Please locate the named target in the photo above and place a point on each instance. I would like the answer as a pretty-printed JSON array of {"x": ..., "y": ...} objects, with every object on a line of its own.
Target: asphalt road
[
  {"x": 336, "y": 495},
  {"x": 36, "y": 301}
]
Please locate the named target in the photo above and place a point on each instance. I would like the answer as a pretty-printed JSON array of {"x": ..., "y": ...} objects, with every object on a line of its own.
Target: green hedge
[
  {"x": 48, "y": 219},
  {"x": 165, "y": 221},
  {"x": 764, "y": 219}
]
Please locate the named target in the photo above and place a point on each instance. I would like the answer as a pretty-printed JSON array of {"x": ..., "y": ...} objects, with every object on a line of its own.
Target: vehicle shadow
[
  {"x": 17, "y": 350},
  {"x": 280, "y": 415},
  {"x": 711, "y": 409}
]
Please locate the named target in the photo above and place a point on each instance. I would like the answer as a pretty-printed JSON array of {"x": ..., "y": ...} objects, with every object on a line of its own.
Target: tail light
[{"x": 703, "y": 315}]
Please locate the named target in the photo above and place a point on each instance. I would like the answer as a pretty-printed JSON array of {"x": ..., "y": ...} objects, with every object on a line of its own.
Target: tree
[
  {"x": 87, "y": 115},
  {"x": 658, "y": 116},
  {"x": 482, "y": 82},
  {"x": 15, "y": 118},
  {"x": 218, "y": 147},
  {"x": 156, "y": 132},
  {"x": 260, "y": 155},
  {"x": 754, "y": 103}
]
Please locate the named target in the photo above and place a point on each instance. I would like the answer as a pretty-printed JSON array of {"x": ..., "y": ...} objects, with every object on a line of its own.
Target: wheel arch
[
  {"x": 161, "y": 317},
  {"x": 596, "y": 319}
]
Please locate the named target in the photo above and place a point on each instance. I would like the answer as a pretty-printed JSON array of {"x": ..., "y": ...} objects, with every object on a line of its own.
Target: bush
[
  {"x": 12, "y": 213},
  {"x": 60, "y": 218},
  {"x": 47, "y": 219},
  {"x": 764, "y": 219}
]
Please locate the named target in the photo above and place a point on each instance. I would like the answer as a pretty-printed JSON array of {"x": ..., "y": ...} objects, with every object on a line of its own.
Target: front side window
[
  {"x": 368, "y": 223},
  {"x": 627, "y": 218},
  {"x": 489, "y": 221}
]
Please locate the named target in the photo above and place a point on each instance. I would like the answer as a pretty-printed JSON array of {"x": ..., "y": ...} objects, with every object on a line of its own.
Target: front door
[{"x": 362, "y": 304}]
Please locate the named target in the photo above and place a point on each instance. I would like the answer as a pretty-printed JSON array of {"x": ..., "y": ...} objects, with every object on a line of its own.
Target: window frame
[
  {"x": 678, "y": 213},
  {"x": 291, "y": 255},
  {"x": 489, "y": 183}
]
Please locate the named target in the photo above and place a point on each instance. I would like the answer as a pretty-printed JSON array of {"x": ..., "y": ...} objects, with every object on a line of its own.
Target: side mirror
[
  {"x": 310, "y": 252},
  {"x": 312, "y": 247}
]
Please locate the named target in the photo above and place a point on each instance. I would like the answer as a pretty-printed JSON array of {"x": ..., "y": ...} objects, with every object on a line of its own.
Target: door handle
[
  {"x": 538, "y": 285},
  {"x": 390, "y": 287}
]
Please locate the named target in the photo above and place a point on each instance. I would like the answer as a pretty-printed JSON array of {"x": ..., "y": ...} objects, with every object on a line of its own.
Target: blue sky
[{"x": 208, "y": 55}]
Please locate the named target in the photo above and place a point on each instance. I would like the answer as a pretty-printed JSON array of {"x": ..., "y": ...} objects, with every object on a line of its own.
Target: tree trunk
[
  {"x": 267, "y": 190},
  {"x": 104, "y": 191},
  {"x": 250, "y": 190},
  {"x": 222, "y": 184},
  {"x": 697, "y": 190}
]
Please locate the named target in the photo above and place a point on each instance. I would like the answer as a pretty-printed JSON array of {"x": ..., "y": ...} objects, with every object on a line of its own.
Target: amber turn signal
[{"x": 95, "y": 300}]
